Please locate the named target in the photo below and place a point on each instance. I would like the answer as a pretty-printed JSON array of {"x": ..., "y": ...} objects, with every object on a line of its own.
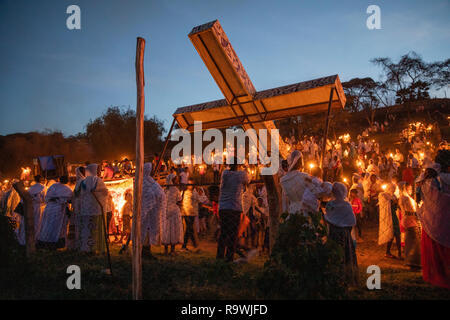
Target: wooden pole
[
  {"x": 28, "y": 217},
  {"x": 105, "y": 230},
  {"x": 136, "y": 234},
  {"x": 327, "y": 124},
  {"x": 274, "y": 200}
]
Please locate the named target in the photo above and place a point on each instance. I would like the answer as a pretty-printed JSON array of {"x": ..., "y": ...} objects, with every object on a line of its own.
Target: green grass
[{"x": 187, "y": 276}]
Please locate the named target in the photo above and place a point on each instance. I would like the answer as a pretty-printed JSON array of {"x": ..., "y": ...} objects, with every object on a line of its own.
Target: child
[
  {"x": 355, "y": 201},
  {"x": 127, "y": 212},
  {"x": 190, "y": 200}
]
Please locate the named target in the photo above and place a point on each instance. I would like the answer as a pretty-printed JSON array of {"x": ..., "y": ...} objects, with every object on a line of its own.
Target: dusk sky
[{"x": 55, "y": 78}]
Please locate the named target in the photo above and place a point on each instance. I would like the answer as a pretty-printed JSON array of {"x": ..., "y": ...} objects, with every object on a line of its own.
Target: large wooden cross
[
  {"x": 243, "y": 105},
  {"x": 246, "y": 107}
]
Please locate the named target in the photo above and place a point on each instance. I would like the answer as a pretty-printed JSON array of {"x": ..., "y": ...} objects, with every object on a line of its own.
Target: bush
[
  {"x": 9, "y": 245},
  {"x": 302, "y": 265}
]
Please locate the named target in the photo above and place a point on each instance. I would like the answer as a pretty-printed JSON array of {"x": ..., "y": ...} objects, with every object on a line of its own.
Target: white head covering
[
  {"x": 91, "y": 169},
  {"x": 339, "y": 191},
  {"x": 90, "y": 183},
  {"x": 293, "y": 158},
  {"x": 147, "y": 169},
  {"x": 80, "y": 177},
  {"x": 339, "y": 211},
  {"x": 435, "y": 166}
]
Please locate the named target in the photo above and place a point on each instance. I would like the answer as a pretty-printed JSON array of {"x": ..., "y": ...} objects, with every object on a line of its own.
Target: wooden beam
[
  {"x": 139, "y": 172},
  {"x": 165, "y": 147},
  {"x": 28, "y": 217},
  {"x": 327, "y": 124}
]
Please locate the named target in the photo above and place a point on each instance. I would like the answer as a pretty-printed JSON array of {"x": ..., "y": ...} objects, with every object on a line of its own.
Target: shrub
[
  {"x": 8, "y": 241},
  {"x": 302, "y": 265}
]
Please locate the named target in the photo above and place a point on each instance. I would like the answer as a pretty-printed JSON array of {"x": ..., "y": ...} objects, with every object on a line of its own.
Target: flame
[
  {"x": 384, "y": 186},
  {"x": 117, "y": 189},
  {"x": 311, "y": 165}
]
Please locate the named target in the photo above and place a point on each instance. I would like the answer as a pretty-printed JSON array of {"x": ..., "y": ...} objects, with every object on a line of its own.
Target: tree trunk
[
  {"x": 28, "y": 217},
  {"x": 274, "y": 199},
  {"x": 137, "y": 204}
]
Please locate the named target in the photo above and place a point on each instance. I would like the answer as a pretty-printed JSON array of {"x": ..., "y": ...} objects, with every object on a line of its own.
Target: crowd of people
[{"x": 401, "y": 188}]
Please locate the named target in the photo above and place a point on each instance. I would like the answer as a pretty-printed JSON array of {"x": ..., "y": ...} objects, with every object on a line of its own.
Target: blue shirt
[{"x": 231, "y": 189}]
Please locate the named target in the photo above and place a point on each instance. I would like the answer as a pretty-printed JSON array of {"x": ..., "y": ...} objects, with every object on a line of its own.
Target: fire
[
  {"x": 345, "y": 138},
  {"x": 117, "y": 189},
  {"x": 312, "y": 165},
  {"x": 384, "y": 186}
]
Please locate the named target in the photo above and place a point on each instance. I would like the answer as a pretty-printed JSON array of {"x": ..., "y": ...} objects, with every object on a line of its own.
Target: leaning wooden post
[
  {"x": 327, "y": 124},
  {"x": 137, "y": 245},
  {"x": 28, "y": 217},
  {"x": 164, "y": 149},
  {"x": 274, "y": 200}
]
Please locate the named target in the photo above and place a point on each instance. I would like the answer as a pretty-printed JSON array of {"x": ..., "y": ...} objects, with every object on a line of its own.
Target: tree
[
  {"x": 364, "y": 94},
  {"x": 113, "y": 134},
  {"x": 359, "y": 93},
  {"x": 411, "y": 78}
]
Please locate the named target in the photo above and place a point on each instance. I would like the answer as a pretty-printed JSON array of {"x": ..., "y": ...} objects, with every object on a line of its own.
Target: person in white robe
[
  {"x": 153, "y": 207},
  {"x": 341, "y": 219},
  {"x": 92, "y": 216},
  {"x": 52, "y": 233},
  {"x": 74, "y": 220},
  {"x": 172, "y": 224},
  {"x": 389, "y": 226},
  {"x": 302, "y": 189},
  {"x": 37, "y": 193}
]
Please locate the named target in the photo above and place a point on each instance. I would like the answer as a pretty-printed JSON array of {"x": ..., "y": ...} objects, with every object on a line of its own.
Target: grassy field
[{"x": 192, "y": 275}]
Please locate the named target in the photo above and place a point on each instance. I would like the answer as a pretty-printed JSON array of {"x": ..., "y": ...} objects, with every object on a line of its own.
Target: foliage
[
  {"x": 18, "y": 150},
  {"x": 9, "y": 248},
  {"x": 411, "y": 78},
  {"x": 113, "y": 134},
  {"x": 187, "y": 276},
  {"x": 302, "y": 265}
]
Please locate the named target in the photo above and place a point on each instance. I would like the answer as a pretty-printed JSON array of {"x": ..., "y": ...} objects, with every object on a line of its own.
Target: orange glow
[{"x": 117, "y": 189}]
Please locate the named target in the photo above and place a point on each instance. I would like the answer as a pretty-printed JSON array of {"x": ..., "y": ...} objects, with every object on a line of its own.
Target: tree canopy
[{"x": 113, "y": 134}]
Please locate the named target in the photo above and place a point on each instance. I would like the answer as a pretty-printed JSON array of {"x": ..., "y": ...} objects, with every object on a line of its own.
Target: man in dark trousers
[{"x": 232, "y": 186}]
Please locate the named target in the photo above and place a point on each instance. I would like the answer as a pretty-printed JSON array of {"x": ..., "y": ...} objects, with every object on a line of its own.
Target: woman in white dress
[
  {"x": 76, "y": 204},
  {"x": 153, "y": 208},
  {"x": 302, "y": 189},
  {"x": 37, "y": 193},
  {"x": 91, "y": 228},
  {"x": 172, "y": 224},
  {"x": 52, "y": 233}
]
